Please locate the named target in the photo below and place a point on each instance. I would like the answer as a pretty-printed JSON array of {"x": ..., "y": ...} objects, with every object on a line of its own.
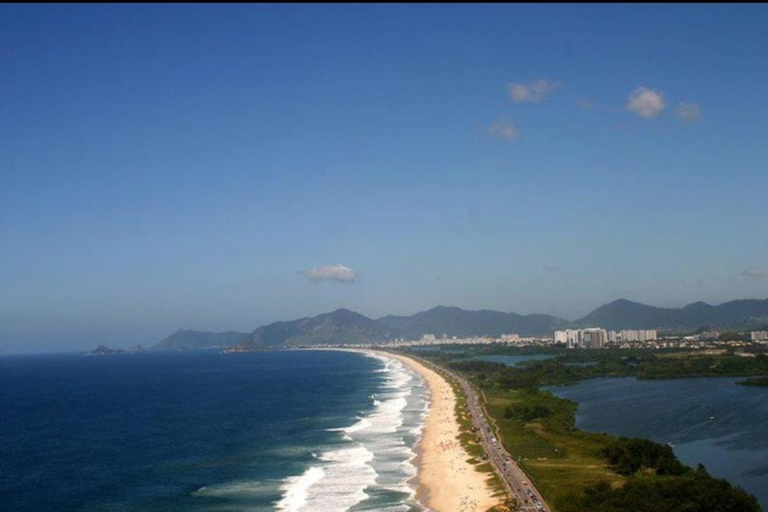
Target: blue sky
[{"x": 198, "y": 166}]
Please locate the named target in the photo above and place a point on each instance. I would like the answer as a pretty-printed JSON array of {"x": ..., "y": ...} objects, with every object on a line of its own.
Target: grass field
[{"x": 557, "y": 457}]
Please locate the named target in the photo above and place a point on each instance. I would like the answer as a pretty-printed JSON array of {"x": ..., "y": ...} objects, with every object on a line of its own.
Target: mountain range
[{"x": 348, "y": 327}]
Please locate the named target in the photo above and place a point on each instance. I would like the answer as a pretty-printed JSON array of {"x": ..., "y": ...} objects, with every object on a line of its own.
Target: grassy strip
[{"x": 557, "y": 457}]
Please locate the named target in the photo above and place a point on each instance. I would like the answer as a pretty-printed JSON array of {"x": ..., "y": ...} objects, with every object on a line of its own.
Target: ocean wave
[
  {"x": 371, "y": 466},
  {"x": 334, "y": 487},
  {"x": 296, "y": 489}
]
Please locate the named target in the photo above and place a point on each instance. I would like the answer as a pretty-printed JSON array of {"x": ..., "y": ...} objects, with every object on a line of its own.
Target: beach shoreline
[{"x": 445, "y": 481}]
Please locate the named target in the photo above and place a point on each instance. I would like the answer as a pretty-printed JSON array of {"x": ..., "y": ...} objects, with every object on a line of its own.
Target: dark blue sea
[
  {"x": 204, "y": 431},
  {"x": 712, "y": 421}
]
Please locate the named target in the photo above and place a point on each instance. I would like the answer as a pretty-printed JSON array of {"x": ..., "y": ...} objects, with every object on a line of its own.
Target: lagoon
[{"x": 678, "y": 411}]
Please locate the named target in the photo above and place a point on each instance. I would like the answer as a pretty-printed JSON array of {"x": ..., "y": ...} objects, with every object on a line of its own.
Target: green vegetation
[
  {"x": 758, "y": 381},
  {"x": 593, "y": 472},
  {"x": 734, "y": 336},
  {"x": 526, "y": 412},
  {"x": 556, "y": 456},
  {"x": 628, "y": 456},
  {"x": 641, "y": 364},
  {"x": 697, "y": 492}
]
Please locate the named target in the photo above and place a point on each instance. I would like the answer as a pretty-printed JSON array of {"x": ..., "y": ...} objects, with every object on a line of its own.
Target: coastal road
[{"x": 515, "y": 479}]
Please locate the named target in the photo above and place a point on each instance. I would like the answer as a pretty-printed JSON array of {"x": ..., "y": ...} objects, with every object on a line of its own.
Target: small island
[{"x": 103, "y": 350}]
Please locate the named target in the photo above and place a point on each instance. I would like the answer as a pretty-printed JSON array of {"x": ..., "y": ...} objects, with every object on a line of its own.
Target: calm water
[
  {"x": 513, "y": 360},
  {"x": 733, "y": 446},
  {"x": 194, "y": 431}
]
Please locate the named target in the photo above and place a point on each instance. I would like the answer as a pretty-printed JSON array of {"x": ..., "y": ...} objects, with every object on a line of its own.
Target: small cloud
[
  {"x": 338, "y": 273},
  {"x": 646, "y": 103},
  {"x": 586, "y": 103},
  {"x": 755, "y": 273},
  {"x": 534, "y": 91},
  {"x": 549, "y": 268},
  {"x": 502, "y": 128},
  {"x": 688, "y": 112}
]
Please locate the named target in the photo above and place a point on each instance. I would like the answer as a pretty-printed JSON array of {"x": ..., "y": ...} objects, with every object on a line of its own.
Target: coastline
[{"x": 445, "y": 482}]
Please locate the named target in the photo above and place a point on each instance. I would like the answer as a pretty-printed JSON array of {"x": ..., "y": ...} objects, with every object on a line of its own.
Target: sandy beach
[{"x": 447, "y": 482}]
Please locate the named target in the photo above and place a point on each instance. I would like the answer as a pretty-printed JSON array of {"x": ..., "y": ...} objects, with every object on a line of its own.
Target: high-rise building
[
  {"x": 593, "y": 338},
  {"x": 573, "y": 338}
]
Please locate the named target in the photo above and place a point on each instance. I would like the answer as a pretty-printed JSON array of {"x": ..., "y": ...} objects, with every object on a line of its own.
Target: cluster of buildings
[
  {"x": 591, "y": 337},
  {"x": 596, "y": 337},
  {"x": 505, "y": 339}
]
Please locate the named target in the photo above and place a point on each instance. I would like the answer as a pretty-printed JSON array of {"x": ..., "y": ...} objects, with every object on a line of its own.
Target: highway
[{"x": 516, "y": 481}]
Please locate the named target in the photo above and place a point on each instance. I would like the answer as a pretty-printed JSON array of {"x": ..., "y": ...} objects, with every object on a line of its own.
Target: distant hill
[
  {"x": 339, "y": 327},
  {"x": 625, "y": 314},
  {"x": 461, "y": 322},
  {"x": 183, "y": 339}
]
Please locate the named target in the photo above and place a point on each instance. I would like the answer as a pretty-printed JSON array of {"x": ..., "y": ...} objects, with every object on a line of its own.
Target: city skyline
[{"x": 224, "y": 168}]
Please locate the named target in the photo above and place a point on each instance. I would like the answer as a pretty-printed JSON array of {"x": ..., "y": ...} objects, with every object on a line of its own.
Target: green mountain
[
  {"x": 625, "y": 314},
  {"x": 460, "y": 322},
  {"x": 183, "y": 339},
  {"x": 339, "y": 327}
]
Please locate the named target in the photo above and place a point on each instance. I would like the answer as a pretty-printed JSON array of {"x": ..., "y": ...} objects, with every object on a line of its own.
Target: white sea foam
[
  {"x": 375, "y": 453},
  {"x": 296, "y": 489},
  {"x": 334, "y": 487}
]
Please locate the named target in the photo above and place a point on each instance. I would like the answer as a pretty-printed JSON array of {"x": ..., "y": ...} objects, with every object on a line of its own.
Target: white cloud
[
  {"x": 688, "y": 112},
  {"x": 338, "y": 273},
  {"x": 534, "y": 91},
  {"x": 753, "y": 272},
  {"x": 586, "y": 103},
  {"x": 502, "y": 128},
  {"x": 646, "y": 103}
]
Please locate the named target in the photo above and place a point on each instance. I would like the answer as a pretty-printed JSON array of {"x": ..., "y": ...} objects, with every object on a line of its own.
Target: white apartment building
[
  {"x": 573, "y": 338},
  {"x": 759, "y": 336},
  {"x": 632, "y": 335},
  {"x": 592, "y": 337}
]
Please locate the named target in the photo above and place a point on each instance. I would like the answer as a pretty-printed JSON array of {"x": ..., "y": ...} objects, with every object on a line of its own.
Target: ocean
[
  {"x": 712, "y": 421},
  {"x": 319, "y": 431}
]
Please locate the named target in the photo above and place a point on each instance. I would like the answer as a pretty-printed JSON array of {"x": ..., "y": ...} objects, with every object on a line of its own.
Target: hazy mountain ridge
[
  {"x": 348, "y": 327},
  {"x": 459, "y": 322},
  {"x": 338, "y": 327},
  {"x": 187, "y": 338},
  {"x": 625, "y": 314}
]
